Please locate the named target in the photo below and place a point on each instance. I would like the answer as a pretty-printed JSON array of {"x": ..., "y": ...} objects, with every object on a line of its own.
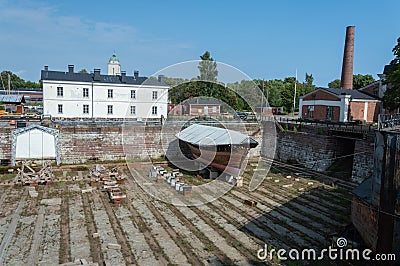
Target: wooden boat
[{"x": 221, "y": 148}]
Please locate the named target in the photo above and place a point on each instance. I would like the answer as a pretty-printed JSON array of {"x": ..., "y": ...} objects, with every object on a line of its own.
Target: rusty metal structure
[
  {"x": 348, "y": 59},
  {"x": 376, "y": 202}
]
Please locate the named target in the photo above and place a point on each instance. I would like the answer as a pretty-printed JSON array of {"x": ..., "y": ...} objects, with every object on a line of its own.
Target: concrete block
[
  {"x": 114, "y": 246},
  {"x": 88, "y": 190}
]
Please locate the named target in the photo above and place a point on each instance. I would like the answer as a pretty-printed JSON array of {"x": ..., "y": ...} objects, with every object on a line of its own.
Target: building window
[
  {"x": 133, "y": 94},
  {"x": 214, "y": 109},
  {"x": 110, "y": 93},
  {"x": 311, "y": 111},
  {"x": 154, "y": 110},
  {"x": 133, "y": 110},
  {"x": 85, "y": 93},
  {"x": 329, "y": 112},
  {"x": 109, "y": 109},
  {"x": 85, "y": 108},
  {"x": 155, "y": 95},
  {"x": 60, "y": 108},
  {"x": 60, "y": 92}
]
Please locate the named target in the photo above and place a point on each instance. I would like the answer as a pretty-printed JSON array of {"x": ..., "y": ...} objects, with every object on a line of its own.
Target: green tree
[
  {"x": 359, "y": 81},
  {"x": 334, "y": 84},
  {"x": 275, "y": 88},
  {"x": 391, "y": 99},
  {"x": 83, "y": 71},
  {"x": 307, "y": 86},
  {"x": 207, "y": 67},
  {"x": 198, "y": 88},
  {"x": 309, "y": 80},
  {"x": 16, "y": 82},
  {"x": 288, "y": 93},
  {"x": 174, "y": 81}
]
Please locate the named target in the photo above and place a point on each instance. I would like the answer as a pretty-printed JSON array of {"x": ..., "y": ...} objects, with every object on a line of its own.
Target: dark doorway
[{"x": 342, "y": 167}]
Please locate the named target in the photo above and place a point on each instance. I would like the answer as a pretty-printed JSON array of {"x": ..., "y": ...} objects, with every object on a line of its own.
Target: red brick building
[
  {"x": 339, "y": 105},
  {"x": 199, "y": 106},
  {"x": 175, "y": 109}
]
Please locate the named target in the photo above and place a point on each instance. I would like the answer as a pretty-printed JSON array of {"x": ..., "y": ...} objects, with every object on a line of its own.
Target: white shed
[{"x": 35, "y": 143}]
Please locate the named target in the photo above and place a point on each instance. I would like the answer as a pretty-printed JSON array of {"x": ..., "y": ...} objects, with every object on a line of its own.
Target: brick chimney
[{"x": 348, "y": 59}]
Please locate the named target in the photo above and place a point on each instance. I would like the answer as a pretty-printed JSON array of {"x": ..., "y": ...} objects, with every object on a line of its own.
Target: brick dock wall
[
  {"x": 309, "y": 150},
  {"x": 315, "y": 151},
  {"x": 80, "y": 143},
  {"x": 5, "y": 143},
  {"x": 363, "y": 161}
]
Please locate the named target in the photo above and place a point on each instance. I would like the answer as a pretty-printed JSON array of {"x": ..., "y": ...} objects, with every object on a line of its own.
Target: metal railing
[
  {"x": 339, "y": 126},
  {"x": 388, "y": 121}
]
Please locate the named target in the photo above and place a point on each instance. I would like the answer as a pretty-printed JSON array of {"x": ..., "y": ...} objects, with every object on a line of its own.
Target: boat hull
[{"x": 225, "y": 161}]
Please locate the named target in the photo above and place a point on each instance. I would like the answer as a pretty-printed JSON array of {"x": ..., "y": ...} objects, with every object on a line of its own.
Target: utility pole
[
  {"x": 9, "y": 84},
  {"x": 267, "y": 96},
  {"x": 262, "y": 96},
  {"x": 294, "y": 97}
]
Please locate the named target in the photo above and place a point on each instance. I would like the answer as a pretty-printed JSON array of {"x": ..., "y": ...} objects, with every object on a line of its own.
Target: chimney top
[
  {"x": 71, "y": 68},
  {"x": 46, "y": 68},
  {"x": 96, "y": 74}
]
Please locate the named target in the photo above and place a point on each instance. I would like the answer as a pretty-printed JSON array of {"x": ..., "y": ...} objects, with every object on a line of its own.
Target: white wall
[
  {"x": 35, "y": 144},
  {"x": 73, "y": 100}
]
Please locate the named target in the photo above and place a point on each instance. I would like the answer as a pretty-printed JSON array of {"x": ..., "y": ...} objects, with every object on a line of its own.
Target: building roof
[
  {"x": 113, "y": 59},
  {"x": 90, "y": 77},
  {"x": 212, "y": 136},
  {"x": 21, "y": 130},
  {"x": 370, "y": 85},
  {"x": 16, "y": 99},
  {"x": 203, "y": 101},
  {"x": 364, "y": 191},
  {"x": 355, "y": 94}
]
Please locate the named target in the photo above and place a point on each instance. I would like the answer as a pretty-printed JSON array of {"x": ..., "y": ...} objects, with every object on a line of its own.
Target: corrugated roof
[
  {"x": 12, "y": 98},
  {"x": 207, "y": 135}
]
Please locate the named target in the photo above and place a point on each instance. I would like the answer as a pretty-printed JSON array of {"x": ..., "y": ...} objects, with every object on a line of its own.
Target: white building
[{"x": 83, "y": 95}]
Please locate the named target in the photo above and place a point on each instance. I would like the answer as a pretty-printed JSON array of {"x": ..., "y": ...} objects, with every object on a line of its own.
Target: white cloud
[{"x": 40, "y": 34}]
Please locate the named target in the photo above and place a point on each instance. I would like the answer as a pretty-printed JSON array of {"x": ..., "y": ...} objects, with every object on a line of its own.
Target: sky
[{"x": 262, "y": 39}]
